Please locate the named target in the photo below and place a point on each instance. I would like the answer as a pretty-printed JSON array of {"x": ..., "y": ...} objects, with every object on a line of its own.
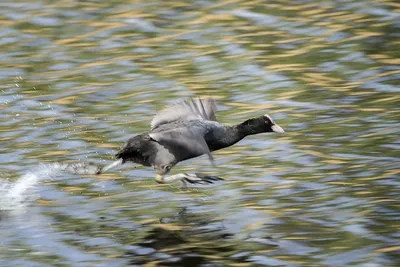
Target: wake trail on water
[{"x": 16, "y": 195}]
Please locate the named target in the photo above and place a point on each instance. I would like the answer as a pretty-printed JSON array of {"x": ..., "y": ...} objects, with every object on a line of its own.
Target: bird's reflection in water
[{"x": 191, "y": 239}]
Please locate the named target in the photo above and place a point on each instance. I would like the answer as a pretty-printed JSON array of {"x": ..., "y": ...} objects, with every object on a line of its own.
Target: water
[
  {"x": 16, "y": 194},
  {"x": 79, "y": 78}
]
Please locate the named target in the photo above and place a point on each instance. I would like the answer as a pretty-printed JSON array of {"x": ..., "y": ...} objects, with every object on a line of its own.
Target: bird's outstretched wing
[
  {"x": 183, "y": 143},
  {"x": 190, "y": 109}
]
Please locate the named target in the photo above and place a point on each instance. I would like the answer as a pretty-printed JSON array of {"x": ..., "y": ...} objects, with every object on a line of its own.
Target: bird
[{"x": 183, "y": 131}]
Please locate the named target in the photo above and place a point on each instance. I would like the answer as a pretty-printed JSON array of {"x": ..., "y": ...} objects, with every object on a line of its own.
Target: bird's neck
[
  {"x": 231, "y": 135},
  {"x": 234, "y": 134}
]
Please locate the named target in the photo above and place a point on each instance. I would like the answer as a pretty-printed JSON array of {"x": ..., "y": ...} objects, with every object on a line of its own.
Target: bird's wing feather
[
  {"x": 183, "y": 142},
  {"x": 190, "y": 109}
]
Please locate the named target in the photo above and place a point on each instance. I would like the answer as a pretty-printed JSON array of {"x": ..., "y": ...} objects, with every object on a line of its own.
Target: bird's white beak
[{"x": 276, "y": 128}]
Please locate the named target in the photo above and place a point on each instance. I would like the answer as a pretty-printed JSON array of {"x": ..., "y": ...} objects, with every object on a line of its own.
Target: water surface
[{"x": 80, "y": 77}]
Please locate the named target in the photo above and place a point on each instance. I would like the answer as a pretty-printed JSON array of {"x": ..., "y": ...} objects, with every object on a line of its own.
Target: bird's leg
[{"x": 211, "y": 158}]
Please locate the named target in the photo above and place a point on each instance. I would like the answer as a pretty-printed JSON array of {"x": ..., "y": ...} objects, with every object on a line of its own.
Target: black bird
[{"x": 183, "y": 131}]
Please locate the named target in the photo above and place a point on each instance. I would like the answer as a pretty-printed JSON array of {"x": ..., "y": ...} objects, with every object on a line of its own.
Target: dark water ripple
[{"x": 79, "y": 77}]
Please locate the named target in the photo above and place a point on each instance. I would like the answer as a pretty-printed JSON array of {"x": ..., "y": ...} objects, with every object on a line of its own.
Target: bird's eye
[{"x": 268, "y": 120}]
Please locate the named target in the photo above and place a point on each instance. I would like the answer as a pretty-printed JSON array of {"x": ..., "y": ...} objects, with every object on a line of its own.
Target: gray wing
[
  {"x": 190, "y": 109},
  {"x": 183, "y": 143}
]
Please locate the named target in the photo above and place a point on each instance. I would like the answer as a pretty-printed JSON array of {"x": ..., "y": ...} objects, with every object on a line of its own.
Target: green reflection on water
[{"x": 325, "y": 71}]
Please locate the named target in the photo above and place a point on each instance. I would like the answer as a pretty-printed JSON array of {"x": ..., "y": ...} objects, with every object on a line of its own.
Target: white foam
[{"x": 15, "y": 195}]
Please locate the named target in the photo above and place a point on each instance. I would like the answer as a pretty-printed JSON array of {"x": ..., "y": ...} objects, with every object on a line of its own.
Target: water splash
[{"x": 17, "y": 195}]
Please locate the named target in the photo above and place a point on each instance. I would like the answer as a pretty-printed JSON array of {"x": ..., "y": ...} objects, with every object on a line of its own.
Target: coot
[{"x": 183, "y": 131}]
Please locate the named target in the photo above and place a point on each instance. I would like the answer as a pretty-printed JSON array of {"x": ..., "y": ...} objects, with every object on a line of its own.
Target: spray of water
[{"x": 16, "y": 195}]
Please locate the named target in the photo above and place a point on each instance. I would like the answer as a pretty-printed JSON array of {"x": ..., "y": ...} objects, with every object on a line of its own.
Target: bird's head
[
  {"x": 270, "y": 125},
  {"x": 262, "y": 124}
]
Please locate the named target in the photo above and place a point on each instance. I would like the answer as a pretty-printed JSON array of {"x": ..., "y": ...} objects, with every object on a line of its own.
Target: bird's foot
[
  {"x": 188, "y": 178},
  {"x": 196, "y": 178}
]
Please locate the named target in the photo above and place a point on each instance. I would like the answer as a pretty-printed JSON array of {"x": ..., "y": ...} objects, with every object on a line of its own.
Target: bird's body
[
  {"x": 187, "y": 130},
  {"x": 145, "y": 150}
]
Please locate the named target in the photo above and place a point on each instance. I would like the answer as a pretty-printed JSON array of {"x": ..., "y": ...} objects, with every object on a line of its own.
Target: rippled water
[{"x": 80, "y": 77}]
